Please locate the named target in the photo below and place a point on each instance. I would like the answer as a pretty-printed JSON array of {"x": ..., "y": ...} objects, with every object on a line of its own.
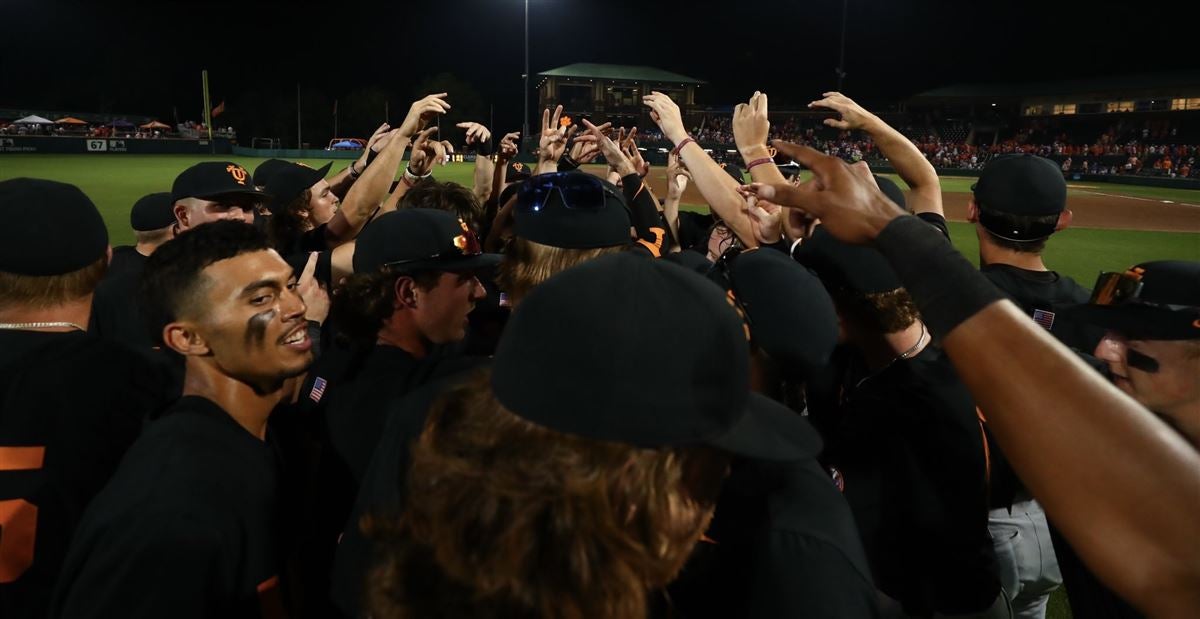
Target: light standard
[{"x": 525, "y": 92}]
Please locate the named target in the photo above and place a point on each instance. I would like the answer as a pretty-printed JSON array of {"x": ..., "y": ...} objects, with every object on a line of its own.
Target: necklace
[
  {"x": 900, "y": 357},
  {"x": 39, "y": 325},
  {"x": 908, "y": 353}
]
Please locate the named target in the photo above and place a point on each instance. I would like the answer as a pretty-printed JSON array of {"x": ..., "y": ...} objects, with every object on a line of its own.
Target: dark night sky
[{"x": 146, "y": 59}]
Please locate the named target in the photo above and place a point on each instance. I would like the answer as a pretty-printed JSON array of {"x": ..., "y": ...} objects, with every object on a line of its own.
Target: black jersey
[
  {"x": 71, "y": 404},
  {"x": 184, "y": 529},
  {"x": 1042, "y": 295},
  {"x": 382, "y": 488},
  {"x": 783, "y": 543},
  {"x": 909, "y": 449},
  {"x": 125, "y": 259}
]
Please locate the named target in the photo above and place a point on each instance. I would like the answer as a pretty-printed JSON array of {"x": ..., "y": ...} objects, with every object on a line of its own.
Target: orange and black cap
[{"x": 1151, "y": 301}]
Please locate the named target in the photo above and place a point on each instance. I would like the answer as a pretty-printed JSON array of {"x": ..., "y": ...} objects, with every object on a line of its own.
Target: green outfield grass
[{"x": 114, "y": 182}]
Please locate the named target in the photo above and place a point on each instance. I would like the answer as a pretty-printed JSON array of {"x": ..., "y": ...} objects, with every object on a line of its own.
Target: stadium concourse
[{"x": 385, "y": 387}]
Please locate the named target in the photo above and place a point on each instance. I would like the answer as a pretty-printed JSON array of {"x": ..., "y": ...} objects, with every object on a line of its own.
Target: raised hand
[
  {"x": 854, "y": 116},
  {"x": 424, "y": 153},
  {"x": 422, "y": 111},
  {"x": 630, "y": 148},
  {"x": 617, "y": 161},
  {"x": 508, "y": 146},
  {"x": 677, "y": 176},
  {"x": 765, "y": 219},
  {"x": 665, "y": 113},
  {"x": 476, "y": 133},
  {"x": 750, "y": 124},
  {"x": 316, "y": 299},
  {"x": 848, "y": 203},
  {"x": 552, "y": 143}
]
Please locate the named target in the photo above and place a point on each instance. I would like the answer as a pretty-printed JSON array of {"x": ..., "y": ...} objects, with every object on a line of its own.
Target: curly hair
[
  {"x": 527, "y": 264},
  {"x": 361, "y": 304},
  {"x": 284, "y": 227},
  {"x": 505, "y": 518},
  {"x": 880, "y": 312},
  {"x": 445, "y": 196}
]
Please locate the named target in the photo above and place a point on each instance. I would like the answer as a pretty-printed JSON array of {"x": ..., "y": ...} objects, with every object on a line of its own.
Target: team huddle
[{"x": 554, "y": 393}]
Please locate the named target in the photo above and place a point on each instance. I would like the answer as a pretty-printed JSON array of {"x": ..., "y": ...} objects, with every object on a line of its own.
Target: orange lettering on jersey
[{"x": 21, "y": 458}]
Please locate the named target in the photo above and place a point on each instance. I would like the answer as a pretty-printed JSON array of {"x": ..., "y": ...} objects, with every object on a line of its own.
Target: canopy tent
[
  {"x": 70, "y": 120},
  {"x": 347, "y": 144},
  {"x": 33, "y": 120},
  {"x": 154, "y": 124}
]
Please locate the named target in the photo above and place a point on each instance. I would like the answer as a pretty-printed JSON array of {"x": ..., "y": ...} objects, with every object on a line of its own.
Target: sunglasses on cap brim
[
  {"x": 577, "y": 191},
  {"x": 466, "y": 246},
  {"x": 1113, "y": 289}
]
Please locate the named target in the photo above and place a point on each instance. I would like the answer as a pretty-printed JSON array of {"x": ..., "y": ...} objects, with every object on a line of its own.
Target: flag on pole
[{"x": 217, "y": 110}]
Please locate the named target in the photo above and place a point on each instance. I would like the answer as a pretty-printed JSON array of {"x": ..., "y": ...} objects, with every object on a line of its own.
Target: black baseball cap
[
  {"x": 266, "y": 169},
  {"x": 419, "y": 239},
  {"x": 840, "y": 265},
  {"x": 791, "y": 316},
  {"x": 571, "y": 210},
  {"x": 1020, "y": 185},
  {"x": 153, "y": 211},
  {"x": 608, "y": 350},
  {"x": 691, "y": 260},
  {"x": 518, "y": 171},
  {"x": 289, "y": 181},
  {"x": 734, "y": 171},
  {"x": 50, "y": 228},
  {"x": 211, "y": 179},
  {"x": 1151, "y": 301},
  {"x": 891, "y": 190}
]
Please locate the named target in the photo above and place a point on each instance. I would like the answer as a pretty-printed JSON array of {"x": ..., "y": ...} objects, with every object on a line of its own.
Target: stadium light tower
[{"x": 525, "y": 118}]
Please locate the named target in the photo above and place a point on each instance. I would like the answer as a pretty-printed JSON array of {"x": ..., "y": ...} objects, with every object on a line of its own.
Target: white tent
[{"x": 33, "y": 120}]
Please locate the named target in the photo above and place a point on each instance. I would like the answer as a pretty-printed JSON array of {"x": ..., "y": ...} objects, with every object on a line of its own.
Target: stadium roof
[
  {"x": 621, "y": 72},
  {"x": 1115, "y": 85}
]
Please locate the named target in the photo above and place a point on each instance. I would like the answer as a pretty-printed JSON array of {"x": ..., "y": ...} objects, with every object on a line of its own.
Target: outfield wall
[
  {"x": 296, "y": 153},
  {"x": 26, "y": 144}
]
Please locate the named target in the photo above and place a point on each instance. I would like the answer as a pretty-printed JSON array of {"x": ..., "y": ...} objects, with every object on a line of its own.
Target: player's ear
[
  {"x": 972, "y": 211},
  {"x": 1064, "y": 220},
  {"x": 183, "y": 338},
  {"x": 405, "y": 293},
  {"x": 181, "y": 215}
]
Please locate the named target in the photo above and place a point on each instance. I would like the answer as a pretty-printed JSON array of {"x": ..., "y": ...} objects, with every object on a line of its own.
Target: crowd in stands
[
  {"x": 1152, "y": 148},
  {"x": 121, "y": 129}
]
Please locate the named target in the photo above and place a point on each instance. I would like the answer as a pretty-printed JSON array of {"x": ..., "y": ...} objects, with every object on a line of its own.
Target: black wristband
[
  {"x": 566, "y": 164},
  {"x": 485, "y": 148},
  {"x": 945, "y": 286},
  {"x": 370, "y": 157}
]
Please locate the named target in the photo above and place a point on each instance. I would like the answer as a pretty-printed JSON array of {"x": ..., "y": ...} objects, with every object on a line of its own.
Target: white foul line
[{"x": 1117, "y": 195}]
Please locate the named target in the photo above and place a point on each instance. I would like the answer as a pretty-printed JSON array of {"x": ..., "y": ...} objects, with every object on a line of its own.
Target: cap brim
[
  {"x": 770, "y": 431},
  {"x": 249, "y": 192},
  {"x": 470, "y": 263},
  {"x": 1137, "y": 322}
]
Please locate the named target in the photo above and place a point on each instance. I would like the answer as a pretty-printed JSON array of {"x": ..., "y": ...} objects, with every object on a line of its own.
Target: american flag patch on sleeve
[
  {"x": 1044, "y": 318},
  {"x": 318, "y": 389}
]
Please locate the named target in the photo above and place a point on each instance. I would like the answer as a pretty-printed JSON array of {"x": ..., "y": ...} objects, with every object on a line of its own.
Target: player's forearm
[
  {"x": 761, "y": 172},
  {"x": 484, "y": 169},
  {"x": 370, "y": 190},
  {"x": 720, "y": 191},
  {"x": 910, "y": 165}
]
